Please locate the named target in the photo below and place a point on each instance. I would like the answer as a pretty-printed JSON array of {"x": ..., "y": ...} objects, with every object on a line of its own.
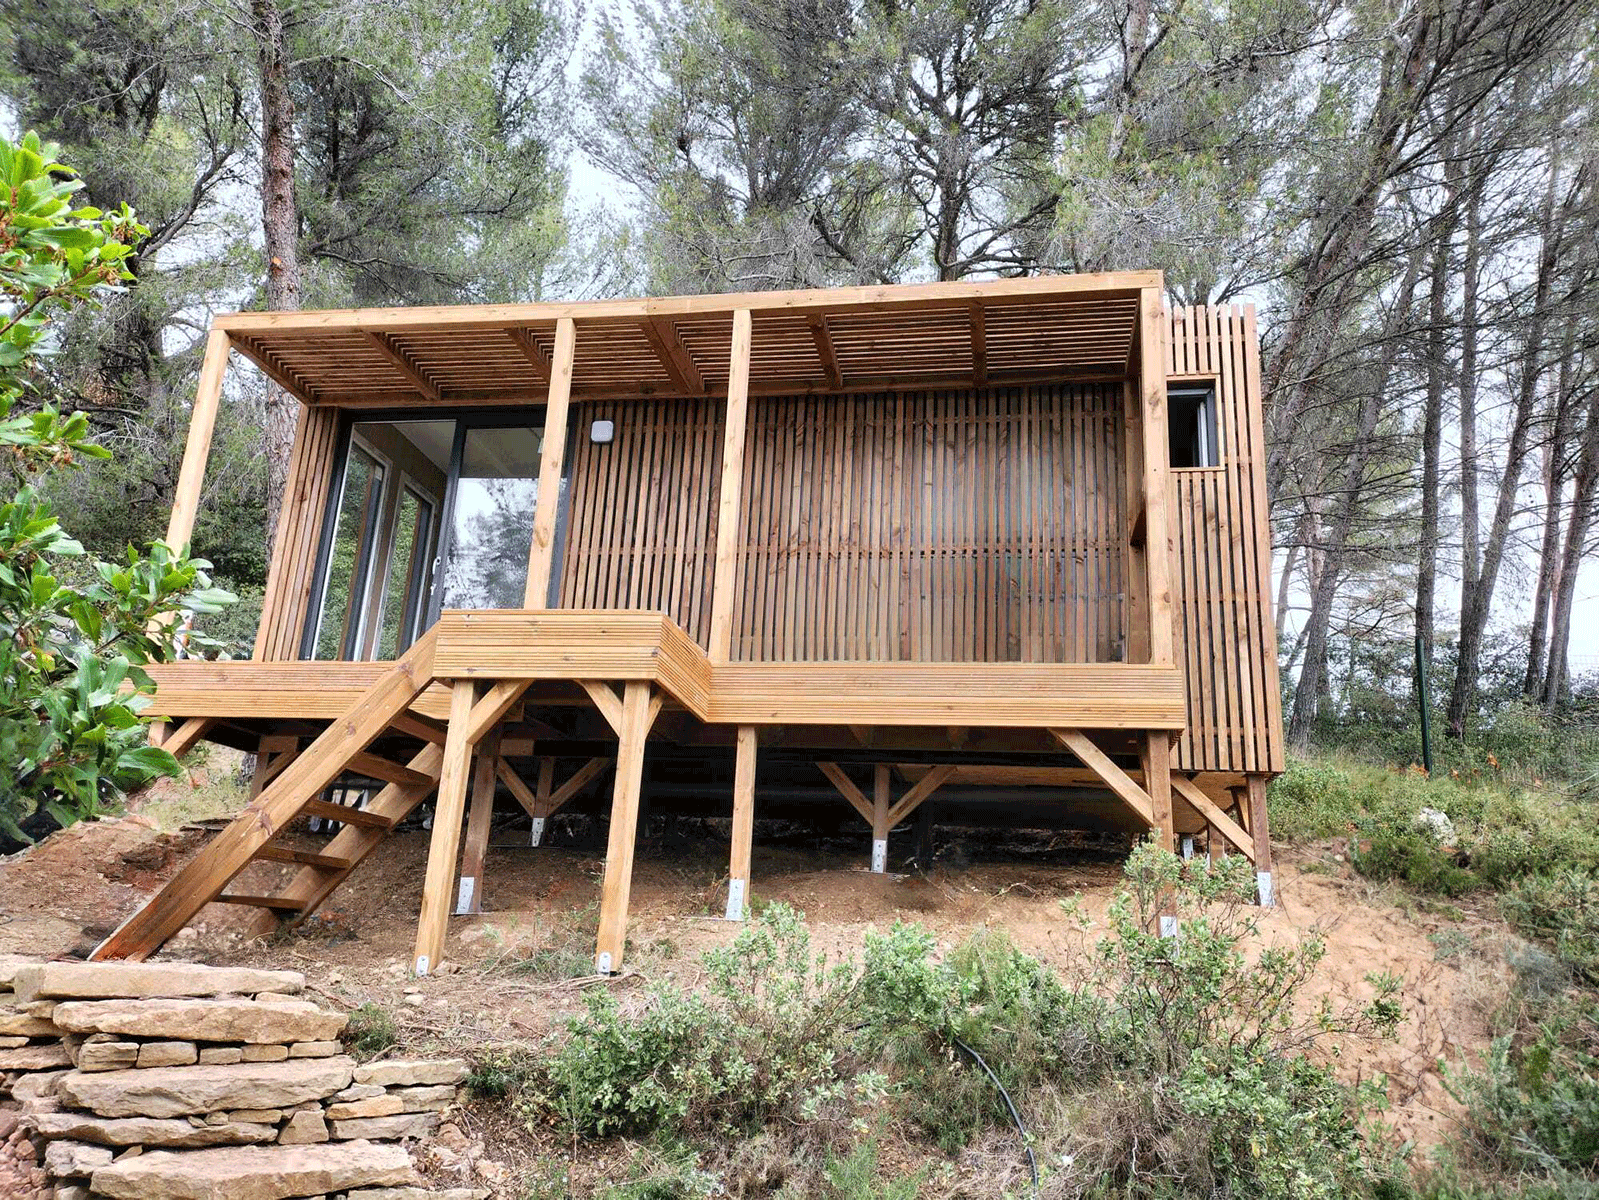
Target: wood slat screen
[
  {"x": 950, "y": 526},
  {"x": 1228, "y": 644},
  {"x": 293, "y": 572},
  {"x": 642, "y": 509}
]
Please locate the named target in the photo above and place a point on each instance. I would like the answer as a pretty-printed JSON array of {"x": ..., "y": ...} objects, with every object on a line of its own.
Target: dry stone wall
[{"x": 179, "y": 1081}]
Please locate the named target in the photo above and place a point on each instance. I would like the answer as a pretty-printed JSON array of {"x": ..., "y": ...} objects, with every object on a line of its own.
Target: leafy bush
[
  {"x": 1561, "y": 908},
  {"x": 1311, "y": 801},
  {"x": 75, "y": 632}
]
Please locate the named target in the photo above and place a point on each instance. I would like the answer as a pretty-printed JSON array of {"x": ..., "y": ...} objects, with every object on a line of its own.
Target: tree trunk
[
  {"x": 280, "y": 226},
  {"x": 1470, "y": 509},
  {"x": 1474, "y": 612},
  {"x": 1582, "y": 504},
  {"x": 1308, "y": 690}
]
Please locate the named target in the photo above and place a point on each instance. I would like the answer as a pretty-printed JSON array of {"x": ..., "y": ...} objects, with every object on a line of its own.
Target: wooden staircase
[{"x": 296, "y": 791}]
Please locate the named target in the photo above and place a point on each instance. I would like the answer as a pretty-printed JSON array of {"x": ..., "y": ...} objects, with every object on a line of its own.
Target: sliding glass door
[{"x": 494, "y": 487}]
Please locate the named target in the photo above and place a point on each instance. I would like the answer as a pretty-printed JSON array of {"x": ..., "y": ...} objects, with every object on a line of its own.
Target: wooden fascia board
[{"x": 1036, "y": 289}]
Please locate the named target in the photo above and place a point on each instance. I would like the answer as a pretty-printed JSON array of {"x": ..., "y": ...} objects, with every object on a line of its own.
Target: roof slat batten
[{"x": 530, "y": 351}]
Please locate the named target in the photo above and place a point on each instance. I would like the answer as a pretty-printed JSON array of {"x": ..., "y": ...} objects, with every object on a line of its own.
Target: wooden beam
[
  {"x": 305, "y": 858},
  {"x": 881, "y": 779},
  {"x": 979, "y": 344},
  {"x": 530, "y": 351},
  {"x": 420, "y": 727},
  {"x": 728, "y": 504},
  {"x": 846, "y": 788},
  {"x": 1219, "y": 821},
  {"x": 496, "y": 702},
  {"x": 618, "y": 882},
  {"x": 274, "y": 370},
  {"x": 1156, "y": 757},
  {"x": 823, "y": 337},
  {"x": 1119, "y": 782},
  {"x": 1158, "y": 544},
  {"x": 552, "y": 458},
  {"x": 738, "y": 869},
  {"x": 183, "y": 739},
  {"x": 605, "y": 700},
  {"x": 386, "y": 347},
  {"x": 920, "y": 791},
  {"x": 376, "y": 767},
  {"x": 197, "y": 449},
  {"x": 1260, "y": 827},
  {"x": 469, "y": 893},
  {"x": 678, "y": 362},
  {"x": 433, "y": 921}
]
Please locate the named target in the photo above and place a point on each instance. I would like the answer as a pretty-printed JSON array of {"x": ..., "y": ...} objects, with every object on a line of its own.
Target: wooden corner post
[
  {"x": 197, "y": 449},
  {"x": 880, "y": 822},
  {"x": 738, "y": 868},
  {"x": 1156, "y": 750},
  {"x": 1260, "y": 831},
  {"x": 469, "y": 892},
  {"x": 446, "y": 841},
  {"x": 632, "y": 730},
  {"x": 552, "y": 460},
  {"x": 729, "y": 499}
]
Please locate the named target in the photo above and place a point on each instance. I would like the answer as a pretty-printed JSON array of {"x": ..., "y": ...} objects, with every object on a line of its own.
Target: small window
[{"x": 1191, "y": 416}]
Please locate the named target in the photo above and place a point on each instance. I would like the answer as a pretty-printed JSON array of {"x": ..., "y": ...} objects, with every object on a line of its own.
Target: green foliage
[
  {"x": 856, "y": 1176},
  {"x": 1561, "y": 908},
  {"x": 370, "y": 1031},
  {"x": 1533, "y": 1105},
  {"x": 1187, "y": 1048},
  {"x": 74, "y": 632},
  {"x": 1311, "y": 801}
]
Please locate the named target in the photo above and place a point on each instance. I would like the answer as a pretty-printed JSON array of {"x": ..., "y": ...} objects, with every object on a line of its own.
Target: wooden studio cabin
[{"x": 999, "y": 544}]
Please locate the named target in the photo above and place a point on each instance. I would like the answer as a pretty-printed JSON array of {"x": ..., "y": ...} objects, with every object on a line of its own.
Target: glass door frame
[{"x": 530, "y": 416}]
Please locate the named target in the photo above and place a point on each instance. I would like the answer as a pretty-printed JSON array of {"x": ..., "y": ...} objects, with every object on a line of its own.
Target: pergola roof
[{"x": 959, "y": 334}]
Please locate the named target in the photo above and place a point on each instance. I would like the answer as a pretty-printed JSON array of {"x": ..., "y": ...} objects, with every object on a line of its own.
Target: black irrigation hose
[{"x": 1032, "y": 1162}]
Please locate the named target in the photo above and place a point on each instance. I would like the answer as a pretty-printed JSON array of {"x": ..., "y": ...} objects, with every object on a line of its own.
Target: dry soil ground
[{"x": 60, "y": 897}]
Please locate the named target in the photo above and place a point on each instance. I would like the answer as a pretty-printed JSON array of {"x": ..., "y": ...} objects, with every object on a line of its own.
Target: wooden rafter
[
  {"x": 979, "y": 344},
  {"x": 825, "y": 350},
  {"x": 530, "y": 351},
  {"x": 661, "y": 333},
  {"x": 1117, "y": 780},
  {"x": 275, "y": 371},
  {"x": 386, "y": 347}
]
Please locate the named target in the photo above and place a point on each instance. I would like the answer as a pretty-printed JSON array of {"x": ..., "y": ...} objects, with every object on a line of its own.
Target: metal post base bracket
[
  {"x": 463, "y": 897},
  {"x": 1263, "y": 882},
  {"x": 536, "y": 837},
  {"x": 602, "y": 963},
  {"x": 735, "y": 899},
  {"x": 879, "y": 855}
]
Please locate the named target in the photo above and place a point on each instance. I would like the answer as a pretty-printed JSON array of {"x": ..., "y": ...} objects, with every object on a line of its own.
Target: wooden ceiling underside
[{"x": 943, "y": 336}]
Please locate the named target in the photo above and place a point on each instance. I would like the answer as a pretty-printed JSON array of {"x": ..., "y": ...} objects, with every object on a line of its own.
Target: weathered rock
[
  {"x": 315, "y": 1049},
  {"x": 83, "y": 980},
  {"x": 407, "y": 1072},
  {"x": 9, "y": 965},
  {"x": 304, "y": 1129},
  {"x": 403, "y": 1125},
  {"x": 265, "y": 1053},
  {"x": 41, "y": 1086},
  {"x": 419, "y": 1193},
  {"x": 378, "y": 1106},
  {"x": 65, "y": 1159},
  {"x": 203, "y": 1020},
  {"x": 12, "y": 1041},
  {"x": 360, "y": 1091},
  {"x": 269, "y": 996},
  {"x": 39, "y": 1058},
  {"x": 261, "y": 1116},
  {"x": 17, "y": 1021},
  {"x": 425, "y": 1099},
  {"x": 71, "y": 1191},
  {"x": 148, "y": 1131},
  {"x": 178, "y": 1091},
  {"x": 107, "y": 1056},
  {"x": 253, "y": 1172},
  {"x": 221, "y": 1054},
  {"x": 167, "y": 1054}
]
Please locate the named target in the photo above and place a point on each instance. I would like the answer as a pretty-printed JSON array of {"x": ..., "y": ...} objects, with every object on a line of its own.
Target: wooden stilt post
[
  {"x": 729, "y": 499},
  {"x": 880, "y": 826},
  {"x": 738, "y": 869},
  {"x": 469, "y": 894},
  {"x": 541, "y": 815},
  {"x": 1157, "y": 782},
  {"x": 1215, "y": 845},
  {"x": 546, "y": 505},
  {"x": 633, "y": 729},
  {"x": 1260, "y": 830},
  {"x": 447, "y": 812}
]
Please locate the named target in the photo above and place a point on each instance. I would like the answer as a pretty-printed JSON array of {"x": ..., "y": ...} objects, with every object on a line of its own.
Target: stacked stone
[{"x": 178, "y": 1080}]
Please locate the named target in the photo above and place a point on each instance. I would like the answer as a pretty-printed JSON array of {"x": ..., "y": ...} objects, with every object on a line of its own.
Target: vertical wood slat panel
[
  {"x": 641, "y": 511},
  {"x": 1224, "y": 552},
  {"x": 287, "y": 598},
  {"x": 953, "y": 526}
]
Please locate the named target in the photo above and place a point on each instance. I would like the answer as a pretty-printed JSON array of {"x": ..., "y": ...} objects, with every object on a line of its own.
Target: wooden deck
[{"x": 568, "y": 645}]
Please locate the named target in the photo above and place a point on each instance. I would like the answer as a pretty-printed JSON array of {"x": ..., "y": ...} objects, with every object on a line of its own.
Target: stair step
[
  {"x": 307, "y": 858},
  {"x": 346, "y": 813},
  {"x": 277, "y": 903},
  {"x": 376, "y": 767}
]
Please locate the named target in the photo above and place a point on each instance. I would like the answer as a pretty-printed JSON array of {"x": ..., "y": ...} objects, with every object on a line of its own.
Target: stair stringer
[{"x": 203, "y": 879}]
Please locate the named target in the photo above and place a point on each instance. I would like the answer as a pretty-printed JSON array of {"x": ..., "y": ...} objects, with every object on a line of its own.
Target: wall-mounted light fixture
[{"x": 602, "y": 433}]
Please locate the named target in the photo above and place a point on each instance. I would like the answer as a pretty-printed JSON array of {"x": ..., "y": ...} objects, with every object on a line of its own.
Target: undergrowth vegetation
[{"x": 1186, "y": 1066}]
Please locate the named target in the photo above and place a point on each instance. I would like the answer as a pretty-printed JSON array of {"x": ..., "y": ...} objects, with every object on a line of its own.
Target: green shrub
[
  {"x": 370, "y": 1031},
  {"x": 1561, "y": 908},
  {"x": 1311, "y": 801}
]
